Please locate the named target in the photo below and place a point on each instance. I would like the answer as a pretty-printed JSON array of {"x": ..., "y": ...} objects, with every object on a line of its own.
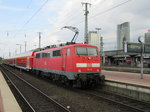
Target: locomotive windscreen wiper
[{"x": 77, "y": 53}]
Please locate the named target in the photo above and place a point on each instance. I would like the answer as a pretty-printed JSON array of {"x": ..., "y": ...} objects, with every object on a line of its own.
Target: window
[
  {"x": 38, "y": 55},
  {"x": 81, "y": 51},
  {"x": 46, "y": 55},
  {"x": 92, "y": 51},
  {"x": 56, "y": 53},
  {"x": 86, "y": 51}
]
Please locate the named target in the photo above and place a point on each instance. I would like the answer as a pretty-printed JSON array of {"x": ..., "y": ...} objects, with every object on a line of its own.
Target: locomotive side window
[
  {"x": 37, "y": 55},
  {"x": 44, "y": 55},
  {"x": 48, "y": 54},
  {"x": 56, "y": 53},
  {"x": 86, "y": 51}
]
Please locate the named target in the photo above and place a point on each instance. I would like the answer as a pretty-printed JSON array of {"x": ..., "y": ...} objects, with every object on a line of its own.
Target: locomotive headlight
[
  {"x": 95, "y": 64},
  {"x": 97, "y": 70}
]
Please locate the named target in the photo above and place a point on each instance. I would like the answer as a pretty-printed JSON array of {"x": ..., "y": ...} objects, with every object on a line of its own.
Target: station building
[{"x": 119, "y": 57}]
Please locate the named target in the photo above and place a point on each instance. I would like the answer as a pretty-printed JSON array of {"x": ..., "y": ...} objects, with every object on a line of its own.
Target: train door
[
  {"x": 67, "y": 60},
  {"x": 28, "y": 62},
  {"x": 63, "y": 59}
]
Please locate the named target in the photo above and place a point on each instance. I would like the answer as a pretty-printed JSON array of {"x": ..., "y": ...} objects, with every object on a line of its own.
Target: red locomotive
[{"x": 74, "y": 64}]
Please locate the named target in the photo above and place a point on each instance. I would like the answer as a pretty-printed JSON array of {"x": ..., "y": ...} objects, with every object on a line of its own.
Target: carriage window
[
  {"x": 38, "y": 55},
  {"x": 56, "y": 53}
]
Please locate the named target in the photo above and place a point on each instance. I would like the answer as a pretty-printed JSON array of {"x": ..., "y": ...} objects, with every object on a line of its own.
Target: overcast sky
[{"x": 20, "y": 17}]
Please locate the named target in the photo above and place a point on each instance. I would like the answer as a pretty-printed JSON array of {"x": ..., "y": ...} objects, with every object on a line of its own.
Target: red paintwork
[
  {"x": 24, "y": 60},
  {"x": 62, "y": 63},
  {"x": 10, "y": 61},
  {"x": 67, "y": 63}
]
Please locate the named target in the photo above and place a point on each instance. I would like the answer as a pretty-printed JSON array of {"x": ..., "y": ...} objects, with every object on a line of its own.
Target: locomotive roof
[
  {"x": 66, "y": 46},
  {"x": 31, "y": 53}
]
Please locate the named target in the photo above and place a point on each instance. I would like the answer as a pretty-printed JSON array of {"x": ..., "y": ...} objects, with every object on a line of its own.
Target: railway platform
[
  {"x": 128, "y": 84},
  {"x": 8, "y": 102},
  {"x": 127, "y": 77}
]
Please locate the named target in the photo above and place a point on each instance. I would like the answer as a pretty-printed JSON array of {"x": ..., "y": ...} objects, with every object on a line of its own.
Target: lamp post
[
  {"x": 20, "y": 47},
  {"x": 101, "y": 44},
  {"x": 25, "y": 45},
  {"x": 98, "y": 29},
  {"x": 98, "y": 32},
  {"x": 35, "y": 46},
  {"x": 139, "y": 39}
]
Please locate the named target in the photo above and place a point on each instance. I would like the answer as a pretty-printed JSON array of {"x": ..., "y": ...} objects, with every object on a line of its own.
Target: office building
[
  {"x": 123, "y": 34},
  {"x": 94, "y": 39},
  {"x": 147, "y": 37}
]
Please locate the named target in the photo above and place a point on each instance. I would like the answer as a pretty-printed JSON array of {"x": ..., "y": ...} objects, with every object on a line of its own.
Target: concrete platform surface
[
  {"x": 8, "y": 102},
  {"x": 126, "y": 77}
]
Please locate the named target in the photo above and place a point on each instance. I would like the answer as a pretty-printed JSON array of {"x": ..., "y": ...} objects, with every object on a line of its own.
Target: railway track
[
  {"x": 36, "y": 100},
  {"x": 124, "y": 102}
]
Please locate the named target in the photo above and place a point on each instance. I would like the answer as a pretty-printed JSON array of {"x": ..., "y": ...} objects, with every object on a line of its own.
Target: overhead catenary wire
[
  {"x": 103, "y": 12},
  {"x": 94, "y": 8},
  {"x": 110, "y": 8},
  {"x": 64, "y": 23},
  {"x": 29, "y": 3},
  {"x": 35, "y": 13},
  {"x": 71, "y": 17},
  {"x": 77, "y": 23},
  {"x": 32, "y": 17}
]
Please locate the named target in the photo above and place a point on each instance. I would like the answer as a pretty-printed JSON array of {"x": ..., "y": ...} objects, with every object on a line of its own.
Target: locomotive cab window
[
  {"x": 92, "y": 51},
  {"x": 81, "y": 51},
  {"x": 57, "y": 53},
  {"x": 86, "y": 51}
]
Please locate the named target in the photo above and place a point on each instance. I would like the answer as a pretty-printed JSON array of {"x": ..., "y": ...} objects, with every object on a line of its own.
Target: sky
[{"x": 28, "y": 17}]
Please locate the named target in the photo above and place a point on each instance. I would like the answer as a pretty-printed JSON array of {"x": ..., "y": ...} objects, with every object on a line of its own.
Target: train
[{"x": 73, "y": 64}]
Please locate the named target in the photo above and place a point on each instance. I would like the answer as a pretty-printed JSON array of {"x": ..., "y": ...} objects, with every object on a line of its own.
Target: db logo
[{"x": 89, "y": 64}]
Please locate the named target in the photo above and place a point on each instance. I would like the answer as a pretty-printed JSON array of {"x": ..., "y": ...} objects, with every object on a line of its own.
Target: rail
[{"x": 30, "y": 104}]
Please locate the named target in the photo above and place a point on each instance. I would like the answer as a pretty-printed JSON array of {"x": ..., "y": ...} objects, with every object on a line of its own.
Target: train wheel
[
  {"x": 37, "y": 73},
  {"x": 78, "y": 83}
]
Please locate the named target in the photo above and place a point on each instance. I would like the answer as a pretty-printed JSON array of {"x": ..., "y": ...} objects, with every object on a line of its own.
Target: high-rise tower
[{"x": 123, "y": 34}]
